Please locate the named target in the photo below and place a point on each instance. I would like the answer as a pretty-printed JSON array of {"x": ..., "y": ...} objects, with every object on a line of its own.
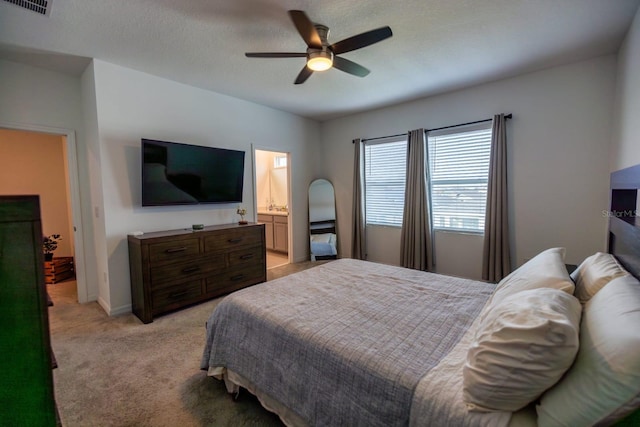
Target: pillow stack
[
  {"x": 527, "y": 336},
  {"x": 576, "y": 357},
  {"x": 523, "y": 346},
  {"x": 603, "y": 385}
]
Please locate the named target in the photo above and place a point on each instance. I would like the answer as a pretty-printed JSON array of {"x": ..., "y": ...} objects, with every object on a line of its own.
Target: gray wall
[
  {"x": 626, "y": 130},
  {"x": 558, "y": 143}
]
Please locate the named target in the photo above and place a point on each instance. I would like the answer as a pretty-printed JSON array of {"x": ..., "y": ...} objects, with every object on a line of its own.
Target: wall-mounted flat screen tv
[{"x": 184, "y": 174}]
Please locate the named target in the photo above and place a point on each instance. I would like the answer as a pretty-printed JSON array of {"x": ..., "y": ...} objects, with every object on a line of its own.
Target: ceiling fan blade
[
  {"x": 361, "y": 40},
  {"x": 304, "y": 75},
  {"x": 275, "y": 55},
  {"x": 306, "y": 28},
  {"x": 349, "y": 67}
]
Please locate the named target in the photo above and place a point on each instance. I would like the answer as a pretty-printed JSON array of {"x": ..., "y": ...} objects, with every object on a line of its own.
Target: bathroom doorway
[{"x": 272, "y": 179}]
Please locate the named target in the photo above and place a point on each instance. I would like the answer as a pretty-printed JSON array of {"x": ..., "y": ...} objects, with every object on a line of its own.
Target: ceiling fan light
[{"x": 320, "y": 61}]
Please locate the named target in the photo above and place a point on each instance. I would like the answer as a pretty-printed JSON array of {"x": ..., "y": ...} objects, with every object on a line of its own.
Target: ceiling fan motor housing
[
  {"x": 323, "y": 33},
  {"x": 320, "y": 54}
]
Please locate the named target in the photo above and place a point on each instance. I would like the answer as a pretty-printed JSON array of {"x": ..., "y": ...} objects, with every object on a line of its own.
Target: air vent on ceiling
[{"x": 43, "y": 7}]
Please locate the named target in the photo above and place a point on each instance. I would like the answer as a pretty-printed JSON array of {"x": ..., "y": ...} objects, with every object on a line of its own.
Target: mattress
[{"x": 351, "y": 343}]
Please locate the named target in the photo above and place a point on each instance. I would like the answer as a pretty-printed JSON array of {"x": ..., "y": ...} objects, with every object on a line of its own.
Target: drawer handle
[
  {"x": 238, "y": 277},
  {"x": 237, "y": 240},
  {"x": 246, "y": 256},
  {"x": 174, "y": 250},
  {"x": 190, "y": 269},
  {"x": 178, "y": 294}
]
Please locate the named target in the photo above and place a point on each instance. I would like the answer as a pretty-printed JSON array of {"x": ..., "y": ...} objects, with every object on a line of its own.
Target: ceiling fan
[{"x": 320, "y": 54}]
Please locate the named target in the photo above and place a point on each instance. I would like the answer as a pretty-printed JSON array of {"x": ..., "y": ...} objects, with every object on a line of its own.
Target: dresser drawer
[
  {"x": 173, "y": 250},
  {"x": 196, "y": 267},
  {"x": 250, "y": 254},
  {"x": 233, "y": 238},
  {"x": 175, "y": 296},
  {"x": 235, "y": 278}
]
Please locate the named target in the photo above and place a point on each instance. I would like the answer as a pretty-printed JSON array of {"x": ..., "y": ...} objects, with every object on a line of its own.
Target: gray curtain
[
  {"x": 358, "y": 242},
  {"x": 496, "y": 260},
  {"x": 416, "y": 249}
]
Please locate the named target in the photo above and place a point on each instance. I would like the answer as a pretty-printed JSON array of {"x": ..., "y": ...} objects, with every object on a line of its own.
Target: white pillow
[
  {"x": 603, "y": 384},
  {"x": 545, "y": 270},
  {"x": 523, "y": 346},
  {"x": 595, "y": 272}
]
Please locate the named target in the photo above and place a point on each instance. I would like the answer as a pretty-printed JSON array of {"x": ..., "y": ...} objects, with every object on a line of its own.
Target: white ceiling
[{"x": 437, "y": 45}]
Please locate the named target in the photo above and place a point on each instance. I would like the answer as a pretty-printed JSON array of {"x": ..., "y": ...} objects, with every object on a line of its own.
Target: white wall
[
  {"x": 625, "y": 150},
  {"x": 132, "y": 105},
  {"x": 558, "y": 143},
  {"x": 99, "y": 287}
]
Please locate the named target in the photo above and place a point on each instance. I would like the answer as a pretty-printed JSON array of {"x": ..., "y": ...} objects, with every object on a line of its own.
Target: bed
[{"x": 362, "y": 344}]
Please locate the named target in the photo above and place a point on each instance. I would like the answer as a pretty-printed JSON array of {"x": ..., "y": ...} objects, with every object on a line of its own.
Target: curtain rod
[{"x": 506, "y": 116}]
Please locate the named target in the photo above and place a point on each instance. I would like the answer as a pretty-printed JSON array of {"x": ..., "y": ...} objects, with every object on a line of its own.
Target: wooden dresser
[
  {"x": 58, "y": 269},
  {"x": 173, "y": 269},
  {"x": 26, "y": 380}
]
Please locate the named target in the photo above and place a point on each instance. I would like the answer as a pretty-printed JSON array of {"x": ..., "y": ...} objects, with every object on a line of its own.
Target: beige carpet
[{"x": 116, "y": 371}]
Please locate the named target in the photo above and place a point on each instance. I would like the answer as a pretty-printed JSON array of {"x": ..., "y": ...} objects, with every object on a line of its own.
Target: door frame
[
  {"x": 74, "y": 194},
  {"x": 255, "y": 148}
]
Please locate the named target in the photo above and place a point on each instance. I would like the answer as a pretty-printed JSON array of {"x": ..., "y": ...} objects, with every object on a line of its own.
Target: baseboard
[
  {"x": 102, "y": 303},
  {"x": 125, "y": 309}
]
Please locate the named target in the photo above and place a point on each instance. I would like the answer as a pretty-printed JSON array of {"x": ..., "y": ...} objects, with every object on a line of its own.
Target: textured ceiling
[{"x": 437, "y": 45}]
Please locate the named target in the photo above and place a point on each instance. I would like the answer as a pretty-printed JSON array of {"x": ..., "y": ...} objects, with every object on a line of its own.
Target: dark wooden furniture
[
  {"x": 58, "y": 269},
  {"x": 173, "y": 269},
  {"x": 624, "y": 218},
  {"x": 624, "y": 235},
  {"x": 26, "y": 381}
]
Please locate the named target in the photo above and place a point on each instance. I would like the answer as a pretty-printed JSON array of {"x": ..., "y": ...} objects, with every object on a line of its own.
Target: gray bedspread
[{"x": 344, "y": 343}]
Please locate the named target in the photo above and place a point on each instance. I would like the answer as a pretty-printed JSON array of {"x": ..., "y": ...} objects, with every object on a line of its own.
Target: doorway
[
  {"x": 272, "y": 178},
  {"x": 45, "y": 164}
]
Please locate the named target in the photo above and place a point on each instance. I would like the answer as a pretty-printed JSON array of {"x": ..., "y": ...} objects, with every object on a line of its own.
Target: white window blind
[
  {"x": 385, "y": 171},
  {"x": 459, "y": 166}
]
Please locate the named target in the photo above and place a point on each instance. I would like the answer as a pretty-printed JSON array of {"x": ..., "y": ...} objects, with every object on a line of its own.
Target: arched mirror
[{"x": 322, "y": 221}]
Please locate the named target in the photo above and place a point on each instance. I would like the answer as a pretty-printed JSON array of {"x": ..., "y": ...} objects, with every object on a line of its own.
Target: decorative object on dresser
[
  {"x": 172, "y": 269},
  {"x": 49, "y": 245},
  {"x": 26, "y": 393},
  {"x": 242, "y": 212},
  {"x": 58, "y": 269}
]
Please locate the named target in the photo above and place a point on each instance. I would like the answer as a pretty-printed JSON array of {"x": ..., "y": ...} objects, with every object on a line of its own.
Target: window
[
  {"x": 384, "y": 177},
  {"x": 280, "y": 162},
  {"x": 459, "y": 166}
]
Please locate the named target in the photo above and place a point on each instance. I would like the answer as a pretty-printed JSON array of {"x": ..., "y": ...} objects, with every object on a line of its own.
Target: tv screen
[{"x": 184, "y": 174}]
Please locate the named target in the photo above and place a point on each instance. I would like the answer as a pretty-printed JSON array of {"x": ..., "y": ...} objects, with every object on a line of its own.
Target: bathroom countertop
[{"x": 268, "y": 212}]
